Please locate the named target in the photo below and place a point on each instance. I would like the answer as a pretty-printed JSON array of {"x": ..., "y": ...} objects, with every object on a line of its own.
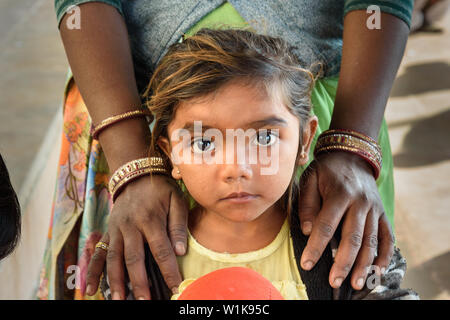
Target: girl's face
[{"x": 227, "y": 166}]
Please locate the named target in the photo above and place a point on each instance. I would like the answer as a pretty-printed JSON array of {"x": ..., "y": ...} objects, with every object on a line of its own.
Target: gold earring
[
  {"x": 175, "y": 171},
  {"x": 303, "y": 153}
]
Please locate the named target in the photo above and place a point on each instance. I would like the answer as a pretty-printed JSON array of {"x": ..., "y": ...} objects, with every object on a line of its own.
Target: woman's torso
[{"x": 154, "y": 25}]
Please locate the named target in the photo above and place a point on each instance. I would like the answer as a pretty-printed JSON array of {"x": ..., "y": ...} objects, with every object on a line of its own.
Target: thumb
[
  {"x": 177, "y": 222},
  {"x": 309, "y": 199}
]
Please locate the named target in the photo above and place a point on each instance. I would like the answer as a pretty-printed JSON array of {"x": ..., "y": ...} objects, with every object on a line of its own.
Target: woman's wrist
[
  {"x": 352, "y": 142},
  {"x": 125, "y": 141},
  {"x": 134, "y": 189},
  {"x": 349, "y": 159}
]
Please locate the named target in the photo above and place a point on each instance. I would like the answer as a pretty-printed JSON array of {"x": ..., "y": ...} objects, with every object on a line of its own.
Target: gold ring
[{"x": 102, "y": 245}]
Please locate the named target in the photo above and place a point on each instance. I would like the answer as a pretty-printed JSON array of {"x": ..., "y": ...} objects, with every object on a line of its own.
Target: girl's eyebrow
[{"x": 270, "y": 121}]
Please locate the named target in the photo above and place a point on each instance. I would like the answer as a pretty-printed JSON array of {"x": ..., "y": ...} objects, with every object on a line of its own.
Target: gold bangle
[
  {"x": 132, "y": 176},
  {"x": 132, "y": 166},
  {"x": 95, "y": 130},
  {"x": 352, "y": 133},
  {"x": 132, "y": 170}
]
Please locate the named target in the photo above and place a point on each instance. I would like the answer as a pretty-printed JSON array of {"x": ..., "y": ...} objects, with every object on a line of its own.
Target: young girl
[{"x": 214, "y": 86}]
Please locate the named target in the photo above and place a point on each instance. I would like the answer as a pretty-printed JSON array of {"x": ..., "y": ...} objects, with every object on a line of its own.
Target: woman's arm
[
  {"x": 344, "y": 182},
  {"x": 370, "y": 60},
  {"x": 100, "y": 58},
  {"x": 101, "y": 62}
]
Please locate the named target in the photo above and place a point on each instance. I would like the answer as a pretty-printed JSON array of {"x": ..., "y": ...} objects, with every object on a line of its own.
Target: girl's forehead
[{"x": 234, "y": 106}]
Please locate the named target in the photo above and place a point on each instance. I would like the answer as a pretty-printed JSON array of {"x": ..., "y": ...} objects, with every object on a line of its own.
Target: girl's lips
[{"x": 243, "y": 199}]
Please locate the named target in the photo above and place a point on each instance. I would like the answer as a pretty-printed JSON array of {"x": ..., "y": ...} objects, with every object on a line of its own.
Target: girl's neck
[{"x": 222, "y": 235}]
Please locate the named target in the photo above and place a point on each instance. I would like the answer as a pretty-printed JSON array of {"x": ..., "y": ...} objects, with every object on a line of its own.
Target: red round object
[{"x": 235, "y": 283}]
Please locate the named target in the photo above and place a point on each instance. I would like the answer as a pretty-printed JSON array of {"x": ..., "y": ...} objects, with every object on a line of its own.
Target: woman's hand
[
  {"x": 147, "y": 208},
  {"x": 344, "y": 184},
  {"x": 341, "y": 185}
]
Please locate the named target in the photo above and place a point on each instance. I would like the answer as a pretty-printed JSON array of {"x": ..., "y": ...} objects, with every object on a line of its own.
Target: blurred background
[{"x": 33, "y": 69}]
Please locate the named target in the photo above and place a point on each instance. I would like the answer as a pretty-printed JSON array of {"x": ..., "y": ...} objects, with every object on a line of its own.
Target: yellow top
[{"x": 276, "y": 262}]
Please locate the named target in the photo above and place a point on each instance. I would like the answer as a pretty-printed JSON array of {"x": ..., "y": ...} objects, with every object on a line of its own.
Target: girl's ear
[
  {"x": 309, "y": 131},
  {"x": 164, "y": 145}
]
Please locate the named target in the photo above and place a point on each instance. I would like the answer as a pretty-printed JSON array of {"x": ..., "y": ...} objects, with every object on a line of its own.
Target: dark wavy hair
[{"x": 10, "y": 217}]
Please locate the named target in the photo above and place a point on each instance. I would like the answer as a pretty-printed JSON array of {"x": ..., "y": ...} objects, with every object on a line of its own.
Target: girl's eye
[
  {"x": 201, "y": 145},
  {"x": 266, "y": 138}
]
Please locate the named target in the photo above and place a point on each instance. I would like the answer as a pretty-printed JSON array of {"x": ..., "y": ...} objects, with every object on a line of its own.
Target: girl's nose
[
  {"x": 240, "y": 165},
  {"x": 232, "y": 173}
]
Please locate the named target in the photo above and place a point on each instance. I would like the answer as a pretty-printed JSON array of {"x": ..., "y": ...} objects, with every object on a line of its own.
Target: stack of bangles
[
  {"x": 353, "y": 142},
  {"x": 133, "y": 169}
]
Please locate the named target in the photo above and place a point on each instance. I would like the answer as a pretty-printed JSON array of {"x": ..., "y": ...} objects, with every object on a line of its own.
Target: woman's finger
[
  {"x": 350, "y": 244},
  {"x": 135, "y": 262},
  {"x": 309, "y": 200},
  {"x": 323, "y": 230},
  {"x": 95, "y": 268},
  {"x": 367, "y": 252},
  {"x": 386, "y": 242},
  {"x": 178, "y": 218},
  {"x": 114, "y": 266},
  {"x": 160, "y": 246}
]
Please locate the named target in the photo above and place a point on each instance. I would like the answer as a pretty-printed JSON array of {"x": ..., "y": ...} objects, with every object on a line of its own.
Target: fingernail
[
  {"x": 307, "y": 265},
  {"x": 116, "y": 296},
  {"x": 383, "y": 270},
  {"x": 337, "y": 282},
  {"x": 179, "y": 248},
  {"x": 307, "y": 227},
  {"x": 141, "y": 298},
  {"x": 175, "y": 290},
  {"x": 360, "y": 283},
  {"x": 89, "y": 290}
]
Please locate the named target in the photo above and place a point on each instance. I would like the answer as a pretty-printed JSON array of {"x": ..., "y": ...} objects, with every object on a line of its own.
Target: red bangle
[{"x": 353, "y": 142}]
